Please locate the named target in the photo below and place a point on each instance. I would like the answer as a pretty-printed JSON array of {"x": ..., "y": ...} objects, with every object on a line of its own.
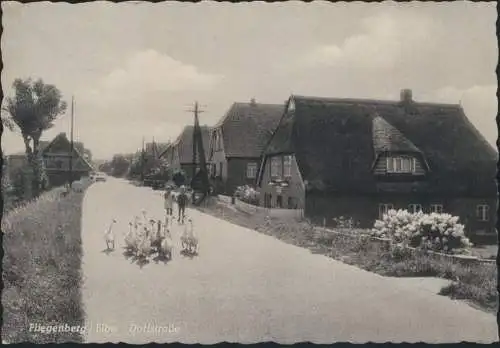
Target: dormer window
[{"x": 401, "y": 164}]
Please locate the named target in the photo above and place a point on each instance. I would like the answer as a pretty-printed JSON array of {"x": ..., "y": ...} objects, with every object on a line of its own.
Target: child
[
  {"x": 181, "y": 203},
  {"x": 169, "y": 201}
]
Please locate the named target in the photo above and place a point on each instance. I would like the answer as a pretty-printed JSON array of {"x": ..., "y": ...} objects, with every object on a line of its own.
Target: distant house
[
  {"x": 360, "y": 158},
  {"x": 56, "y": 158},
  {"x": 179, "y": 154},
  {"x": 237, "y": 142}
]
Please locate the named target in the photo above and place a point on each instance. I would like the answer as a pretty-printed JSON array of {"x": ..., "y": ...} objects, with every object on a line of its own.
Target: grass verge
[
  {"x": 42, "y": 268},
  {"x": 475, "y": 283}
]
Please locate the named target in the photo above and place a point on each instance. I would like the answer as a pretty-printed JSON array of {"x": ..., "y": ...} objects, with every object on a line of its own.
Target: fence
[
  {"x": 296, "y": 214},
  {"x": 385, "y": 243}
]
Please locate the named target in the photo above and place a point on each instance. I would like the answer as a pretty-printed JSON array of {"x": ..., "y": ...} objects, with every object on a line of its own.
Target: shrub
[
  {"x": 343, "y": 222},
  {"x": 247, "y": 194},
  {"x": 436, "y": 232}
]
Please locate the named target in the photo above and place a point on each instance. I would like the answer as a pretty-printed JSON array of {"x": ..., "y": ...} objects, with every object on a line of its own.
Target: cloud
[
  {"x": 479, "y": 103},
  {"x": 384, "y": 40},
  {"x": 148, "y": 74}
]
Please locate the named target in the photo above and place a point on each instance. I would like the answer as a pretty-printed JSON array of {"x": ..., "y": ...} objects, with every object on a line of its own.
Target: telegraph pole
[
  {"x": 71, "y": 141},
  {"x": 142, "y": 161},
  {"x": 198, "y": 148}
]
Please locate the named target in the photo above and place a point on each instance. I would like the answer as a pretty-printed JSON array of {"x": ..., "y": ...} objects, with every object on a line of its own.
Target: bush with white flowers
[
  {"x": 247, "y": 194},
  {"x": 436, "y": 232}
]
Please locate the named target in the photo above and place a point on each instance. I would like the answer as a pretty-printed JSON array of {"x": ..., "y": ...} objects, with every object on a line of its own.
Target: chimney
[
  {"x": 252, "y": 101},
  {"x": 406, "y": 96}
]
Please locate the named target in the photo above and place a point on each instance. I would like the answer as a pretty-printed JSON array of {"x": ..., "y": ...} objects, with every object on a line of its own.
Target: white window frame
[
  {"x": 436, "y": 208},
  {"x": 287, "y": 166},
  {"x": 395, "y": 164},
  {"x": 483, "y": 212},
  {"x": 414, "y": 208},
  {"x": 275, "y": 166},
  {"x": 251, "y": 170},
  {"x": 383, "y": 208}
]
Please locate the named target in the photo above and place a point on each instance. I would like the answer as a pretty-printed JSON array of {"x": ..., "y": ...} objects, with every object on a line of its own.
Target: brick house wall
[
  {"x": 365, "y": 209},
  {"x": 236, "y": 174},
  {"x": 293, "y": 196}
]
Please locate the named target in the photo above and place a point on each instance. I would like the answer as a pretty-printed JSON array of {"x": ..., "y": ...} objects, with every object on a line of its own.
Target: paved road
[{"x": 247, "y": 287}]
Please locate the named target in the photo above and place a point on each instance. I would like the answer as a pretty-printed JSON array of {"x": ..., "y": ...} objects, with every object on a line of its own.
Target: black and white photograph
[{"x": 249, "y": 172}]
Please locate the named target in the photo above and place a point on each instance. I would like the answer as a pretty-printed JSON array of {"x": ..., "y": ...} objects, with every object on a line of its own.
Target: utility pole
[
  {"x": 71, "y": 141},
  {"x": 142, "y": 161},
  {"x": 198, "y": 148}
]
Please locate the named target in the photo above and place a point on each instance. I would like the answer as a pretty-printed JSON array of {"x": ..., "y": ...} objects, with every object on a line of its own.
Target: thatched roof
[
  {"x": 337, "y": 140},
  {"x": 62, "y": 139},
  {"x": 247, "y": 127}
]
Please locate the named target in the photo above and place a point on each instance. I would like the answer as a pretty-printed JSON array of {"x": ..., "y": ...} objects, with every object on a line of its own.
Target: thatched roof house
[{"x": 386, "y": 150}]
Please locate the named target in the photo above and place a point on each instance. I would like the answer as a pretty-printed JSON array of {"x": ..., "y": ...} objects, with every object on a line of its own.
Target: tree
[
  {"x": 119, "y": 166},
  {"x": 87, "y": 154},
  {"x": 33, "y": 108},
  {"x": 105, "y": 167}
]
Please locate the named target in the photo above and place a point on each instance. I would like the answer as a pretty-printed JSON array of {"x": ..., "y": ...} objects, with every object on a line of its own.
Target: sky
[{"x": 136, "y": 68}]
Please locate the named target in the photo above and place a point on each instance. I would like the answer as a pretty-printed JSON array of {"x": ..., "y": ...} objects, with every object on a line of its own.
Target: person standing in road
[
  {"x": 169, "y": 201},
  {"x": 181, "y": 203}
]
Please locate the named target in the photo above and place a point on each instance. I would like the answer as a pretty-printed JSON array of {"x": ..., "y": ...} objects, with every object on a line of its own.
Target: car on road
[{"x": 98, "y": 177}]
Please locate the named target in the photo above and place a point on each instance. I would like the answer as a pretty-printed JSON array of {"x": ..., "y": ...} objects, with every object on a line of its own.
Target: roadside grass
[
  {"x": 475, "y": 283},
  {"x": 42, "y": 268}
]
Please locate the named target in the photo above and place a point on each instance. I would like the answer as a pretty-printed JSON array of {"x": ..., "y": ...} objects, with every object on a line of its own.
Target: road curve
[{"x": 247, "y": 287}]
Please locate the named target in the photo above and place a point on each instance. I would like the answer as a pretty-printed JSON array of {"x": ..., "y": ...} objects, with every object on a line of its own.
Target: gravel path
[{"x": 247, "y": 287}]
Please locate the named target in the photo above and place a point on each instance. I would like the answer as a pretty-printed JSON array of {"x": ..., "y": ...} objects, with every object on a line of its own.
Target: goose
[
  {"x": 109, "y": 236},
  {"x": 157, "y": 237},
  {"x": 188, "y": 239},
  {"x": 144, "y": 248},
  {"x": 167, "y": 245},
  {"x": 192, "y": 238},
  {"x": 130, "y": 238}
]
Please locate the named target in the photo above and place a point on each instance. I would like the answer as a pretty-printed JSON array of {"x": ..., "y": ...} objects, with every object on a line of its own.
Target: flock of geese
[{"x": 147, "y": 236}]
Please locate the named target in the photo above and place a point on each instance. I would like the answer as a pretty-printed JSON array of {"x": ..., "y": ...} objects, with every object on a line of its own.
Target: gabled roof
[
  {"x": 247, "y": 127},
  {"x": 335, "y": 142},
  {"x": 62, "y": 136},
  {"x": 184, "y": 143}
]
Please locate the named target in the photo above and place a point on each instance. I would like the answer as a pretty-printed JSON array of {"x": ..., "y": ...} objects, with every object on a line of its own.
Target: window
[
  {"x": 414, "y": 208},
  {"x": 287, "y": 166},
  {"x": 275, "y": 167},
  {"x": 251, "y": 170},
  {"x": 383, "y": 208},
  {"x": 483, "y": 212},
  {"x": 291, "y": 203},
  {"x": 221, "y": 166},
  {"x": 436, "y": 208},
  {"x": 401, "y": 164},
  {"x": 279, "y": 201},
  {"x": 219, "y": 142}
]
